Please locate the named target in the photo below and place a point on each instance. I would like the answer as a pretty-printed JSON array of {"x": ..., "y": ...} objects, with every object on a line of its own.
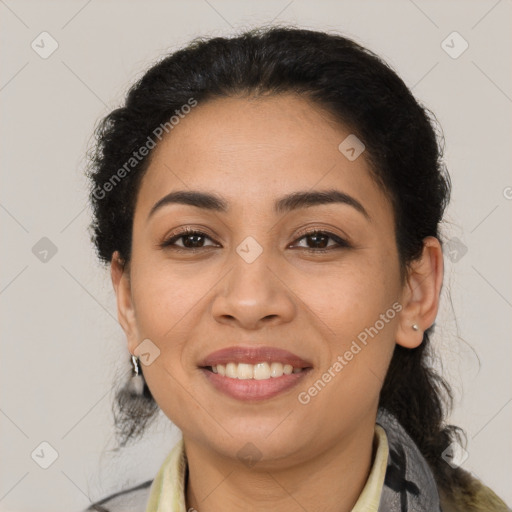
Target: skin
[{"x": 251, "y": 152}]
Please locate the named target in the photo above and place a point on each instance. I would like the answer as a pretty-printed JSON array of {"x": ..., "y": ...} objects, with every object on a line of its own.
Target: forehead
[{"x": 254, "y": 150}]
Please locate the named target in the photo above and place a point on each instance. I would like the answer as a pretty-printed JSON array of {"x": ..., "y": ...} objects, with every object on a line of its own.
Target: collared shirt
[{"x": 167, "y": 492}]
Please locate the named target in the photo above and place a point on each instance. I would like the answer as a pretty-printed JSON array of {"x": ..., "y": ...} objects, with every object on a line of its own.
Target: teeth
[
  {"x": 259, "y": 371},
  {"x": 245, "y": 371},
  {"x": 231, "y": 370},
  {"x": 276, "y": 370}
]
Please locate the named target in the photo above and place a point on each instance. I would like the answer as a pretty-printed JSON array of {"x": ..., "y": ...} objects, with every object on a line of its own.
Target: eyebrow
[{"x": 288, "y": 203}]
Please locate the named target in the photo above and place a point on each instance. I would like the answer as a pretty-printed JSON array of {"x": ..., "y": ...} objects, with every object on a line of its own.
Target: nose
[{"x": 253, "y": 295}]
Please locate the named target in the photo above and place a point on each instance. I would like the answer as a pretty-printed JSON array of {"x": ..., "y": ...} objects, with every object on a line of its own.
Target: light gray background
[{"x": 61, "y": 343}]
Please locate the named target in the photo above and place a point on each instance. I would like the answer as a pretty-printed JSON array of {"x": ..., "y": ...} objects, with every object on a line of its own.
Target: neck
[{"x": 331, "y": 481}]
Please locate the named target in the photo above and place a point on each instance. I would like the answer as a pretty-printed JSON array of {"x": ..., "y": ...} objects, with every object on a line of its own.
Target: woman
[{"x": 269, "y": 205}]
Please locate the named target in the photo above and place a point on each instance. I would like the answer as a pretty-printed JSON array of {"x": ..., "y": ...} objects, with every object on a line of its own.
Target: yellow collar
[{"x": 167, "y": 493}]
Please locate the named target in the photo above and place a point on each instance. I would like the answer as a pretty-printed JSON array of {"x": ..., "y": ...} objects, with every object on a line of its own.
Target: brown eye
[
  {"x": 190, "y": 239},
  {"x": 318, "y": 241}
]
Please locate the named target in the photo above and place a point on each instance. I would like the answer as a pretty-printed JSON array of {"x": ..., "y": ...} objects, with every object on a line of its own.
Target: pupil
[
  {"x": 321, "y": 245},
  {"x": 195, "y": 240}
]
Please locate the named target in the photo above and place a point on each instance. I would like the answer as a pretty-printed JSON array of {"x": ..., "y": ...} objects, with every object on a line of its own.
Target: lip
[
  {"x": 253, "y": 355},
  {"x": 249, "y": 390}
]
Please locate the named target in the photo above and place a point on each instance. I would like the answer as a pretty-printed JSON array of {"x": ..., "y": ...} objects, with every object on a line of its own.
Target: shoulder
[
  {"x": 473, "y": 496},
  {"x": 133, "y": 499}
]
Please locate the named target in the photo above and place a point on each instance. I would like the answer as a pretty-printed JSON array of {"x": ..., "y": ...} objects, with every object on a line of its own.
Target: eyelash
[{"x": 168, "y": 243}]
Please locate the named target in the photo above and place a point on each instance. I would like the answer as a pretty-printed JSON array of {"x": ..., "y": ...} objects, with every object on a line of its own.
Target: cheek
[
  {"x": 352, "y": 298},
  {"x": 358, "y": 308},
  {"x": 163, "y": 301},
  {"x": 165, "y": 309},
  {"x": 173, "y": 394},
  {"x": 359, "y": 316}
]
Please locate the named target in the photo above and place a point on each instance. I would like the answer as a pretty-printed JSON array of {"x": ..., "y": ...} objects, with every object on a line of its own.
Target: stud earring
[
  {"x": 136, "y": 384},
  {"x": 415, "y": 327}
]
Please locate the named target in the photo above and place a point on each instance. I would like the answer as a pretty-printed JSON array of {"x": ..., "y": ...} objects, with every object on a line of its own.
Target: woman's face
[{"x": 253, "y": 283}]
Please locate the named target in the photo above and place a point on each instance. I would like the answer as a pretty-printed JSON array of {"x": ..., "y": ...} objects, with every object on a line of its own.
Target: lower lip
[{"x": 252, "y": 389}]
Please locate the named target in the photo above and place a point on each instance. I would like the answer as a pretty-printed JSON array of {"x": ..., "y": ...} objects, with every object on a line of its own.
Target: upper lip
[{"x": 253, "y": 355}]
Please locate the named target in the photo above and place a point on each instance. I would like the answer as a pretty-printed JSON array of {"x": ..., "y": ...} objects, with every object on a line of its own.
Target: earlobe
[
  {"x": 421, "y": 294},
  {"x": 125, "y": 310}
]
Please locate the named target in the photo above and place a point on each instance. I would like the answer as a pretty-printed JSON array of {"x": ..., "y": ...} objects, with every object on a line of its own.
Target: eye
[
  {"x": 191, "y": 239},
  {"x": 320, "y": 241}
]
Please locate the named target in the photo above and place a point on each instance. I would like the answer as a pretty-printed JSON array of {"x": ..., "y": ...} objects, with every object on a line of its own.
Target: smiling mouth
[
  {"x": 254, "y": 383},
  {"x": 253, "y": 373},
  {"x": 258, "y": 371}
]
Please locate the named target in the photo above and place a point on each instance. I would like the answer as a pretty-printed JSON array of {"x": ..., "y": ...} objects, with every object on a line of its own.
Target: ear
[
  {"x": 125, "y": 308},
  {"x": 420, "y": 298}
]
